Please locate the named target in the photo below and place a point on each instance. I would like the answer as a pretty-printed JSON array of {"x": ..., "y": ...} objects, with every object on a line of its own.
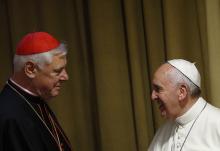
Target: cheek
[
  {"x": 52, "y": 83},
  {"x": 47, "y": 83},
  {"x": 169, "y": 101},
  {"x": 173, "y": 104}
]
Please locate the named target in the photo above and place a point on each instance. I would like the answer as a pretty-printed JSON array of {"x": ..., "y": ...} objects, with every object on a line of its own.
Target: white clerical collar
[
  {"x": 26, "y": 90},
  {"x": 192, "y": 113}
]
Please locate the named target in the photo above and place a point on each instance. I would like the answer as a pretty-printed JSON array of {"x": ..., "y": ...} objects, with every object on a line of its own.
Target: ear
[
  {"x": 30, "y": 69},
  {"x": 182, "y": 92}
]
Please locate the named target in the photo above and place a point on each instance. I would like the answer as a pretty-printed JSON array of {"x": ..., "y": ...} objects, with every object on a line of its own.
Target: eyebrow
[
  {"x": 59, "y": 68},
  {"x": 156, "y": 86}
]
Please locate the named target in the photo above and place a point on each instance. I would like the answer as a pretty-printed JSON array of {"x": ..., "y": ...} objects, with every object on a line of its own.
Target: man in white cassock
[{"x": 192, "y": 123}]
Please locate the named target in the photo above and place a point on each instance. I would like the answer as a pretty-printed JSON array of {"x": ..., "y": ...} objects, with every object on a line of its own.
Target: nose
[
  {"x": 154, "y": 95},
  {"x": 64, "y": 76}
]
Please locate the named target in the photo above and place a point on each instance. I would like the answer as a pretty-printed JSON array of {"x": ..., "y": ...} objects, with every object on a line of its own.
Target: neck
[
  {"x": 23, "y": 83},
  {"x": 186, "y": 104}
]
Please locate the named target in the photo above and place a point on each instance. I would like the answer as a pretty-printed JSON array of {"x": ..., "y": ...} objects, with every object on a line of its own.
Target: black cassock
[{"x": 24, "y": 125}]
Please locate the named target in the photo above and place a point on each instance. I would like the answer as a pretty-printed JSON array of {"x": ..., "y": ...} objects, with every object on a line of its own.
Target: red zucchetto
[{"x": 36, "y": 42}]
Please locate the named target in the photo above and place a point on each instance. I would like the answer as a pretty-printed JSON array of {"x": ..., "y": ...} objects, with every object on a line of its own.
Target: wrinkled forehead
[
  {"x": 59, "y": 60},
  {"x": 163, "y": 70},
  {"x": 162, "y": 76}
]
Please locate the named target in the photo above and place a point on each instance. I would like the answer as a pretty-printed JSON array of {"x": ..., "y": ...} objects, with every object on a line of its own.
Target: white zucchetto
[{"x": 188, "y": 69}]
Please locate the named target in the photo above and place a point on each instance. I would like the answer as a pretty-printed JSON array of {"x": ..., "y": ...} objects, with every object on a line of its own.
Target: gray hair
[
  {"x": 40, "y": 59},
  {"x": 176, "y": 77}
]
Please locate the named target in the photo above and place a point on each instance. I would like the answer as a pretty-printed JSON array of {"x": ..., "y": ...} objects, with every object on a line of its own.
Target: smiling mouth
[
  {"x": 57, "y": 87},
  {"x": 161, "y": 106}
]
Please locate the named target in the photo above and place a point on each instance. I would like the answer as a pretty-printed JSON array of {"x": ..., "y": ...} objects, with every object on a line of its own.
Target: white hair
[
  {"x": 176, "y": 77},
  {"x": 40, "y": 59}
]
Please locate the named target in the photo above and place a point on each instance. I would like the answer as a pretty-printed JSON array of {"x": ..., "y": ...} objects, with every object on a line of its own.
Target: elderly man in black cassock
[{"x": 26, "y": 121}]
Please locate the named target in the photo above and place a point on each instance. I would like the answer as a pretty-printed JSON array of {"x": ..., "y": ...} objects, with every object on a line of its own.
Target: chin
[
  {"x": 55, "y": 93},
  {"x": 164, "y": 114}
]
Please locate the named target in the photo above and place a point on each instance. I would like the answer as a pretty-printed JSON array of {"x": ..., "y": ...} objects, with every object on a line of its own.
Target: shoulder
[
  {"x": 212, "y": 112},
  {"x": 211, "y": 117},
  {"x": 11, "y": 104}
]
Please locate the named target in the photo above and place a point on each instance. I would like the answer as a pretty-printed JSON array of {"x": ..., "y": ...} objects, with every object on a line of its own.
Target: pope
[
  {"x": 26, "y": 121},
  {"x": 192, "y": 123}
]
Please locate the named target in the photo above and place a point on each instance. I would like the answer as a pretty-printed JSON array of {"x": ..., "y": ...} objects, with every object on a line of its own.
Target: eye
[
  {"x": 57, "y": 71},
  {"x": 157, "y": 88}
]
